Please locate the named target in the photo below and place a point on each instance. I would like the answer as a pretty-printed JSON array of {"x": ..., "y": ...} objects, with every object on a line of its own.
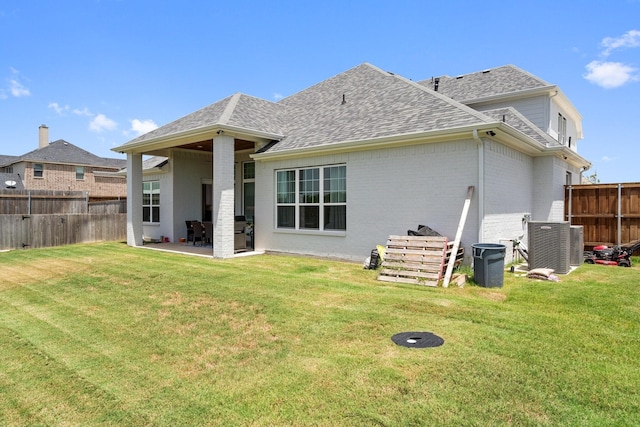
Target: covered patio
[
  {"x": 210, "y": 149},
  {"x": 189, "y": 249}
]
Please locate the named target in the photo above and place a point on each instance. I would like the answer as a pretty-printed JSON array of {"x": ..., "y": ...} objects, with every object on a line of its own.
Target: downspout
[{"x": 480, "y": 185}]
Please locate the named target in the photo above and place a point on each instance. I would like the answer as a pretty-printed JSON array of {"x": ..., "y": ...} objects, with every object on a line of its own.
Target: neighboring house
[
  {"x": 335, "y": 169},
  {"x": 62, "y": 166}
]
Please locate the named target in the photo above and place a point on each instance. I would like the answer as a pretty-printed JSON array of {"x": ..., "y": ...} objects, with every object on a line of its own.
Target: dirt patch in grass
[
  {"x": 494, "y": 296},
  {"x": 36, "y": 273}
]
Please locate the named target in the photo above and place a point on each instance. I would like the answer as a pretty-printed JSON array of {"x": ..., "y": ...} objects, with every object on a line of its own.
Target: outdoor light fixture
[{"x": 491, "y": 133}]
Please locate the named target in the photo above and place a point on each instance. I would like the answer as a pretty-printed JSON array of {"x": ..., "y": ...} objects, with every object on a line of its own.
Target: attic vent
[
  {"x": 486, "y": 71},
  {"x": 459, "y": 77}
]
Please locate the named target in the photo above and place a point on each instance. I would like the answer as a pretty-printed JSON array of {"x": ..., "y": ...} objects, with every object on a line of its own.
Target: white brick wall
[
  {"x": 508, "y": 186},
  {"x": 223, "y": 196},
  {"x": 388, "y": 192}
]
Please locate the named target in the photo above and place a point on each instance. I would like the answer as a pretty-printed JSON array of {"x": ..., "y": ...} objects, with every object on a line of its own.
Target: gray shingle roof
[
  {"x": 495, "y": 81},
  {"x": 10, "y": 177},
  {"x": 61, "y": 151},
  {"x": 513, "y": 118},
  {"x": 7, "y": 160},
  {"x": 154, "y": 162},
  {"x": 377, "y": 104},
  {"x": 238, "y": 110}
]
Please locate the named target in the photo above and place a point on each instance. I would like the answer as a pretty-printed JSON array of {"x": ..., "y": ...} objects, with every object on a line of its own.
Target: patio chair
[
  {"x": 208, "y": 232},
  {"x": 240, "y": 235},
  {"x": 189, "y": 230},
  {"x": 197, "y": 232}
]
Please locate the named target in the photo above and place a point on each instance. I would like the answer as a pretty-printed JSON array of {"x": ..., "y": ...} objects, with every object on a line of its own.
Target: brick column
[
  {"x": 134, "y": 199},
  {"x": 223, "y": 196}
]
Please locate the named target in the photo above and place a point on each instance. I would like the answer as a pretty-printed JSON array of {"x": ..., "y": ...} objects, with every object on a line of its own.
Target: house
[
  {"x": 62, "y": 166},
  {"x": 335, "y": 169}
]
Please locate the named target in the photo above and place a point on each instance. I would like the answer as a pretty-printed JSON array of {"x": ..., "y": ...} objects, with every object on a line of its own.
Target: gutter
[
  {"x": 480, "y": 185},
  {"x": 399, "y": 140}
]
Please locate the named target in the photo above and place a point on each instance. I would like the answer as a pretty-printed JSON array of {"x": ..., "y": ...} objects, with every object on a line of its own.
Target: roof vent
[
  {"x": 436, "y": 83},
  {"x": 459, "y": 77},
  {"x": 486, "y": 71},
  {"x": 344, "y": 99}
]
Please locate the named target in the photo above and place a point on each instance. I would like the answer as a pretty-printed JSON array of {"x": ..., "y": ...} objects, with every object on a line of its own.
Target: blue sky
[{"x": 99, "y": 72}]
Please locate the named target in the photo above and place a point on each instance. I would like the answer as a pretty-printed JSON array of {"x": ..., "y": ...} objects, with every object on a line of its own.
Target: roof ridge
[
  {"x": 445, "y": 98},
  {"x": 228, "y": 110}
]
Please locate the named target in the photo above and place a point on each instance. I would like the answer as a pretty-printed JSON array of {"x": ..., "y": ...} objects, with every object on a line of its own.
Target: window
[
  {"x": 37, "y": 170},
  {"x": 79, "y": 172},
  {"x": 151, "y": 201},
  {"x": 312, "y": 198},
  {"x": 248, "y": 189},
  {"x": 562, "y": 129}
]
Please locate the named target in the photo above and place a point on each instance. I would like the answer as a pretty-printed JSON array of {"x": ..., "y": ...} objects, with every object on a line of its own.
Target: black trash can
[{"x": 488, "y": 264}]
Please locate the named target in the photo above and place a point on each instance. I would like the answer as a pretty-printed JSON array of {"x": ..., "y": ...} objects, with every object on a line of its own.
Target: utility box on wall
[{"x": 549, "y": 246}]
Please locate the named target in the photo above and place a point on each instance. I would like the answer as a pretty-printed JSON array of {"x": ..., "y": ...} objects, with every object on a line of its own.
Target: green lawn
[{"x": 110, "y": 335}]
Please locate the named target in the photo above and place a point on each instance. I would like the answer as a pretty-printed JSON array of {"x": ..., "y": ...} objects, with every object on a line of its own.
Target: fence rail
[
  {"x": 609, "y": 213},
  {"x": 37, "y": 231}
]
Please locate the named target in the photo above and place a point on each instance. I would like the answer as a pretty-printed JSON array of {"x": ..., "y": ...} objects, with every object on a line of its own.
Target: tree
[{"x": 593, "y": 178}]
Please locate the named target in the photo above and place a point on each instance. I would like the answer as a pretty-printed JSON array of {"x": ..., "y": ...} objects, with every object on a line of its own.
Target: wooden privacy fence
[
  {"x": 609, "y": 213},
  {"x": 32, "y": 202},
  {"x": 37, "y": 231},
  {"x": 108, "y": 207}
]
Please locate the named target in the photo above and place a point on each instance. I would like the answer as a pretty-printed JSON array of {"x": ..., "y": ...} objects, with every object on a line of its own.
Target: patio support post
[
  {"x": 134, "y": 199},
  {"x": 223, "y": 196}
]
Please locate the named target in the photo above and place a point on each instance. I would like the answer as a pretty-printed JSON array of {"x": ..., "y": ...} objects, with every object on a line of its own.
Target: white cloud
[
  {"x": 629, "y": 39},
  {"x": 17, "y": 89},
  {"x": 608, "y": 159},
  {"x": 84, "y": 112},
  {"x": 58, "y": 108},
  {"x": 143, "y": 126},
  {"x": 277, "y": 96},
  {"x": 610, "y": 75},
  {"x": 101, "y": 123}
]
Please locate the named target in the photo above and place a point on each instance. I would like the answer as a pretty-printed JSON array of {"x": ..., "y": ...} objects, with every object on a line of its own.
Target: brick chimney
[{"x": 43, "y": 136}]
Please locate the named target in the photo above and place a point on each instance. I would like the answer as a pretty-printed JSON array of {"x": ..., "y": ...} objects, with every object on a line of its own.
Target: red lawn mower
[{"x": 604, "y": 255}]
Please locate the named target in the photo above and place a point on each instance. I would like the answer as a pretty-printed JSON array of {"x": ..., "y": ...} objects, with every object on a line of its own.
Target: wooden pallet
[
  {"x": 459, "y": 255},
  {"x": 415, "y": 259}
]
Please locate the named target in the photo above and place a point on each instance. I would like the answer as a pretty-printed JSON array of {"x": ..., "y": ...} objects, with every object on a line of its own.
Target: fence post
[
  {"x": 29, "y": 203},
  {"x": 619, "y": 237},
  {"x": 570, "y": 188}
]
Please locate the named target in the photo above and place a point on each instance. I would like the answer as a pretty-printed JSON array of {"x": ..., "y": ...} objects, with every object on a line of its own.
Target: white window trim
[
  {"x": 151, "y": 205},
  {"x": 297, "y": 204},
  {"x": 562, "y": 129}
]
